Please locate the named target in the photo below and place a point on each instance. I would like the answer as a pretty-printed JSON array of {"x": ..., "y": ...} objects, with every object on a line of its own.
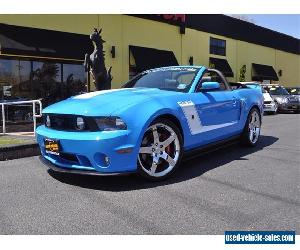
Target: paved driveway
[{"x": 231, "y": 189}]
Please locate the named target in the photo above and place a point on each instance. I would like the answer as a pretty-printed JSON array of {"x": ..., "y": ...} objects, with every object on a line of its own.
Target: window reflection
[
  {"x": 217, "y": 46},
  {"x": 46, "y": 81},
  {"x": 15, "y": 86},
  {"x": 14, "y": 79},
  {"x": 49, "y": 81},
  {"x": 22, "y": 80},
  {"x": 74, "y": 79}
]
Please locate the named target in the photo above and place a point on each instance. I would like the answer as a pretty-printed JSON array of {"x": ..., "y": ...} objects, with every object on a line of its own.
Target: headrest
[
  {"x": 206, "y": 79},
  {"x": 170, "y": 83}
]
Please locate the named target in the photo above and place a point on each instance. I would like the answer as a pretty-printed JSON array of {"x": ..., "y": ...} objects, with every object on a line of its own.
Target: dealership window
[
  {"x": 14, "y": 79},
  {"x": 51, "y": 81},
  {"x": 217, "y": 46},
  {"x": 46, "y": 81},
  {"x": 47, "y": 71},
  {"x": 74, "y": 80},
  {"x": 15, "y": 86}
]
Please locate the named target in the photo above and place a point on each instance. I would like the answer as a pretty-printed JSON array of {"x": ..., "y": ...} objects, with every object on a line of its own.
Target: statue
[{"x": 96, "y": 65}]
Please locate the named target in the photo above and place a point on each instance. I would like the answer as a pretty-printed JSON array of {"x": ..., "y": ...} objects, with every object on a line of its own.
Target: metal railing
[{"x": 34, "y": 115}]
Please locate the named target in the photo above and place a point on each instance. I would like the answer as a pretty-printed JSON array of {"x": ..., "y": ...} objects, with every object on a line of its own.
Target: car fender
[
  {"x": 140, "y": 117},
  {"x": 249, "y": 98},
  {"x": 167, "y": 112}
]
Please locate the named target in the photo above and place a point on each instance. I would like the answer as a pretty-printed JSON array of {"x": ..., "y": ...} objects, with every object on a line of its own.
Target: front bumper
[
  {"x": 85, "y": 152},
  {"x": 75, "y": 171},
  {"x": 270, "y": 107},
  {"x": 289, "y": 107}
]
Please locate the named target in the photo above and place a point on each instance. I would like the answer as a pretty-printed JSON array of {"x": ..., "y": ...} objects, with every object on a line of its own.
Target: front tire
[
  {"x": 251, "y": 132},
  {"x": 161, "y": 150}
]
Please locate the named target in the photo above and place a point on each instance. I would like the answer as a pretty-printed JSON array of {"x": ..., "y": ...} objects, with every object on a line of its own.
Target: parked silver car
[
  {"x": 285, "y": 101},
  {"x": 293, "y": 91},
  {"x": 270, "y": 106}
]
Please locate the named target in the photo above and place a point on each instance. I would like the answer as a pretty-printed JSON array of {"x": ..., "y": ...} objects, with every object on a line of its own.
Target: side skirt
[{"x": 193, "y": 153}]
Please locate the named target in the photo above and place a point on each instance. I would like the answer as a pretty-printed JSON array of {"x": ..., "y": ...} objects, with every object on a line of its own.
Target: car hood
[
  {"x": 107, "y": 102},
  {"x": 294, "y": 97},
  {"x": 279, "y": 96},
  {"x": 290, "y": 98},
  {"x": 267, "y": 97}
]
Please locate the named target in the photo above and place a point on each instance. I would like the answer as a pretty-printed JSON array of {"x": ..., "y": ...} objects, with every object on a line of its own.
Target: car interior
[{"x": 212, "y": 75}]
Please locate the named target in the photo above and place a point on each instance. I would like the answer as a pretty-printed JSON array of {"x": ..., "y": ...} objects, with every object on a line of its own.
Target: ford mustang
[{"x": 149, "y": 124}]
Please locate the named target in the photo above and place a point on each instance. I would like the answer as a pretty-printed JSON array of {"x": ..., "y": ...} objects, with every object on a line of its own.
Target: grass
[{"x": 4, "y": 140}]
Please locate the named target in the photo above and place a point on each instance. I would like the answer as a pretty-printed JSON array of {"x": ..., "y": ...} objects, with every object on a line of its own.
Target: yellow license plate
[{"x": 51, "y": 146}]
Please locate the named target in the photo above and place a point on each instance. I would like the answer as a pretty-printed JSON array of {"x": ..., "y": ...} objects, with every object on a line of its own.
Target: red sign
[{"x": 173, "y": 17}]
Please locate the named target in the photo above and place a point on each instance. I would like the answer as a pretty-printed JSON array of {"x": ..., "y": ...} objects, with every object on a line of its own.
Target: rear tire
[
  {"x": 251, "y": 132},
  {"x": 161, "y": 150}
]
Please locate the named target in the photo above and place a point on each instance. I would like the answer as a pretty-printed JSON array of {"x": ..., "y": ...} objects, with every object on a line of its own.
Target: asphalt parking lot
[{"x": 232, "y": 189}]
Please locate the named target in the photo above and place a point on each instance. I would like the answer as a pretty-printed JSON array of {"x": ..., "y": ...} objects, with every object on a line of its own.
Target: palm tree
[{"x": 45, "y": 82}]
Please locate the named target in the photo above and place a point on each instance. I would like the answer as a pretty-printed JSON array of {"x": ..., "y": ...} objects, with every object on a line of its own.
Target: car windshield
[
  {"x": 177, "y": 79},
  {"x": 278, "y": 90},
  {"x": 294, "y": 91}
]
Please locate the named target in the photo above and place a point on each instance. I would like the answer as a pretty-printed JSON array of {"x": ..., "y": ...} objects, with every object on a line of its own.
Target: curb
[{"x": 19, "y": 151}]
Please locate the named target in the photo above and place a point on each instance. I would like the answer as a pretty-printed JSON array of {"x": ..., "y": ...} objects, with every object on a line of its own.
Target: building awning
[
  {"x": 148, "y": 58},
  {"x": 262, "y": 72},
  {"x": 33, "y": 42},
  {"x": 221, "y": 65}
]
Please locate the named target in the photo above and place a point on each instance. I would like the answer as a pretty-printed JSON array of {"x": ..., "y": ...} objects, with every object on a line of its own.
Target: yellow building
[{"x": 29, "y": 50}]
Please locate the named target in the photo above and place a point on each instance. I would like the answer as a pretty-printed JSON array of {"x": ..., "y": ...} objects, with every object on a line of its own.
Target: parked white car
[{"x": 270, "y": 106}]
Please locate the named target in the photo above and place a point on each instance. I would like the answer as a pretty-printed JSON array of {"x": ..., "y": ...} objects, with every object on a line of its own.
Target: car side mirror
[{"x": 210, "y": 86}]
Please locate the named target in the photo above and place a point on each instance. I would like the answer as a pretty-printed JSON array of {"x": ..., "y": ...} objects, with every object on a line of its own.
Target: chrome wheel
[
  {"x": 254, "y": 127},
  {"x": 160, "y": 150}
]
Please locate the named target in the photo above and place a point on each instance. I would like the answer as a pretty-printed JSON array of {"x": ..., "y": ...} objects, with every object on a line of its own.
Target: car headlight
[
  {"x": 282, "y": 100},
  {"x": 80, "y": 123},
  {"x": 110, "y": 123}
]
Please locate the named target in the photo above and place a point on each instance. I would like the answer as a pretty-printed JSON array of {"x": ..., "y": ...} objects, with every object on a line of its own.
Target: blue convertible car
[{"x": 149, "y": 124}]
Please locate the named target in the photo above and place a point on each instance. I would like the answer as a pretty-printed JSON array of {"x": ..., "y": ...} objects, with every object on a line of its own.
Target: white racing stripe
[
  {"x": 194, "y": 121},
  {"x": 96, "y": 93},
  {"x": 191, "y": 114},
  {"x": 213, "y": 127}
]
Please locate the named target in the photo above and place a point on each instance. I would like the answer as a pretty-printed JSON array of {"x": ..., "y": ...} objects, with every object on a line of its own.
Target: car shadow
[{"x": 189, "y": 169}]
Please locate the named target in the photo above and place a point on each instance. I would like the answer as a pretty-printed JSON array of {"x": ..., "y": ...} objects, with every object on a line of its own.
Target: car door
[{"x": 216, "y": 114}]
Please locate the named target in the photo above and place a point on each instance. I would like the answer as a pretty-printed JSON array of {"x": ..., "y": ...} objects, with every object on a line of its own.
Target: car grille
[
  {"x": 267, "y": 102},
  {"x": 69, "y": 157},
  {"x": 68, "y": 122},
  {"x": 293, "y": 101}
]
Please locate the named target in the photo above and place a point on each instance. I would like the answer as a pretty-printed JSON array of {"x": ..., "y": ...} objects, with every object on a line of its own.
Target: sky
[{"x": 285, "y": 23}]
